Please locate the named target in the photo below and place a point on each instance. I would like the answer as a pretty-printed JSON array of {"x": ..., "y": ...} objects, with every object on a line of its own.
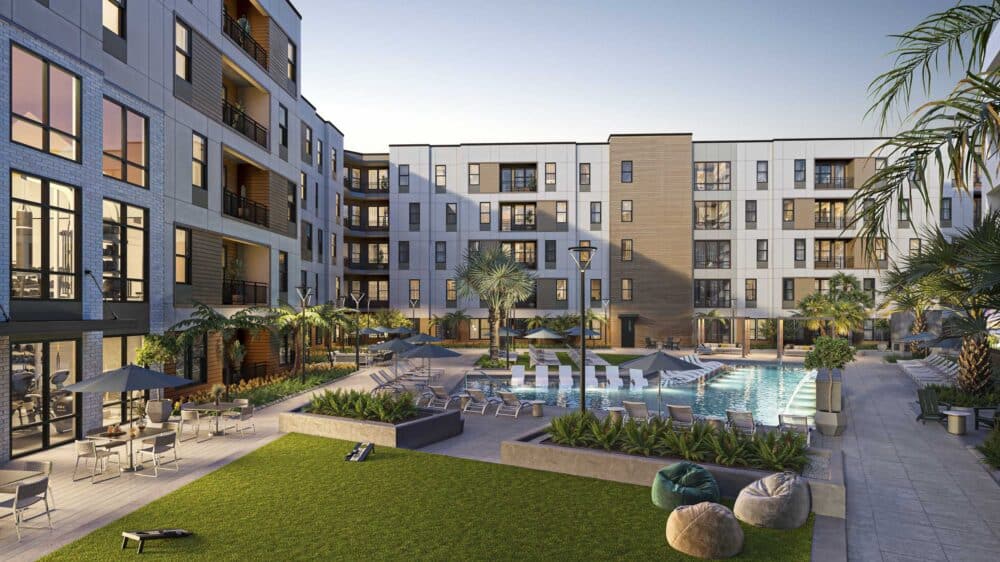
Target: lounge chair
[
  {"x": 517, "y": 375},
  {"x": 541, "y": 376},
  {"x": 27, "y": 494},
  {"x": 637, "y": 379},
  {"x": 438, "y": 398},
  {"x": 928, "y": 401},
  {"x": 682, "y": 416},
  {"x": 711, "y": 365},
  {"x": 742, "y": 421},
  {"x": 478, "y": 402},
  {"x": 382, "y": 383},
  {"x": 565, "y": 376},
  {"x": 988, "y": 416},
  {"x": 611, "y": 373},
  {"x": 796, "y": 423},
  {"x": 590, "y": 374},
  {"x": 637, "y": 410},
  {"x": 510, "y": 405}
]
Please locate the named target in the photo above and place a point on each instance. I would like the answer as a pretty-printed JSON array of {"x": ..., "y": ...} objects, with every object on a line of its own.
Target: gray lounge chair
[
  {"x": 742, "y": 421},
  {"x": 478, "y": 401},
  {"x": 681, "y": 416},
  {"x": 796, "y": 423},
  {"x": 510, "y": 405},
  {"x": 438, "y": 398},
  {"x": 638, "y": 411}
]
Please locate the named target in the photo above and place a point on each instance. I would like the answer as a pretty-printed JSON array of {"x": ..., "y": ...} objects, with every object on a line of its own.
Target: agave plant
[
  {"x": 571, "y": 429},
  {"x": 604, "y": 434}
]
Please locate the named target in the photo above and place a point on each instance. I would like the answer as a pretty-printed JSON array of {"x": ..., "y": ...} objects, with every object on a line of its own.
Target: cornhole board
[
  {"x": 360, "y": 452},
  {"x": 157, "y": 534}
]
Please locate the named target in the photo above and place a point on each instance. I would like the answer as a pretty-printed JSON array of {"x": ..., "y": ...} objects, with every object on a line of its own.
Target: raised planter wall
[
  {"x": 412, "y": 434},
  {"x": 828, "y": 496}
]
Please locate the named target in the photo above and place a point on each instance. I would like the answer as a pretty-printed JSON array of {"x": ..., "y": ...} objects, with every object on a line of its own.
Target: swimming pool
[{"x": 765, "y": 389}]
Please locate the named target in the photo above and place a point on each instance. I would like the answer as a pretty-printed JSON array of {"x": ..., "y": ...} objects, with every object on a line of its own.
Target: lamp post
[
  {"x": 583, "y": 255},
  {"x": 357, "y": 296},
  {"x": 414, "y": 303},
  {"x": 607, "y": 321},
  {"x": 305, "y": 293}
]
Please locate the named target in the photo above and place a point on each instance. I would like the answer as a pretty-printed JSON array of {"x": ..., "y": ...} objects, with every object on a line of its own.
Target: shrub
[
  {"x": 264, "y": 390},
  {"x": 383, "y": 407},
  {"x": 955, "y": 396},
  {"x": 991, "y": 448},
  {"x": 892, "y": 358}
]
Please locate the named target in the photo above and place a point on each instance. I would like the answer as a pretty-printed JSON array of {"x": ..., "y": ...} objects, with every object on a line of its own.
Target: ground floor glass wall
[
  {"x": 117, "y": 352},
  {"x": 42, "y": 413}
]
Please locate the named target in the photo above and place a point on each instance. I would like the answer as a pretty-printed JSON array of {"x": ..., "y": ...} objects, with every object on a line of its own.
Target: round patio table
[
  {"x": 216, "y": 410},
  {"x": 616, "y": 413},
  {"x": 957, "y": 421},
  {"x": 717, "y": 422},
  {"x": 538, "y": 408}
]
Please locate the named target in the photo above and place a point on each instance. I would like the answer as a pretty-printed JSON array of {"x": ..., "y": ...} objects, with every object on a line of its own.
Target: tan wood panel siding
[
  {"x": 277, "y": 202},
  {"x": 861, "y": 169},
  {"x": 489, "y": 177},
  {"x": 805, "y": 214},
  {"x": 206, "y": 267},
  {"x": 545, "y": 217},
  {"x": 278, "y": 58},
  {"x": 259, "y": 350},
  {"x": 206, "y": 77},
  {"x": 661, "y": 267},
  {"x": 804, "y": 286}
]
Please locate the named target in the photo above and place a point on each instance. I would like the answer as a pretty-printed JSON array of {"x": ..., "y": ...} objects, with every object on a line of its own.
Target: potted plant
[
  {"x": 217, "y": 391},
  {"x": 829, "y": 354},
  {"x": 140, "y": 411}
]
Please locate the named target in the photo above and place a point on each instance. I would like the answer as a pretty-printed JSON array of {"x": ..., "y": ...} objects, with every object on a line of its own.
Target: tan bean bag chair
[
  {"x": 778, "y": 501},
  {"x": 705, "y": 530}
]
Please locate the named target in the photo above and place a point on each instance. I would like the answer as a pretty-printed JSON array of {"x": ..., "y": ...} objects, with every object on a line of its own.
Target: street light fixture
[
  {"x": 414, "y": 303},
  {"x": 305, "y": 293},
  {"x": 607, "y": 321},
  {"x": 357, "y": 296},
  {"x": 583, "y": 256}
]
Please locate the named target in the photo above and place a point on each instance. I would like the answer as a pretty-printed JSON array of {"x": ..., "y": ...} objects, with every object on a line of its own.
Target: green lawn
[
  {"x": 297, "y": 499},
  {"x": 617, "y": 358}
]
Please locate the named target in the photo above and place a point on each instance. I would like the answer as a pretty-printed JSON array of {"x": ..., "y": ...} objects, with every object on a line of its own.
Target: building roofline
[
  {"x": 791, "y": 139},
  {"x": 600, "y": 143},
  {"x": 294, "y": 9},
  {"x": 649, "y": 135},
  {"x": 321, "y": 118}
]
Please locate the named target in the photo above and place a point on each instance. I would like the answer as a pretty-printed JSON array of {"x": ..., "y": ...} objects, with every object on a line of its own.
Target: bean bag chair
[
  {"x": 683, "y": 483},
  {"x": 778, "y": 501},
  {"x": 705, "y": 530}
]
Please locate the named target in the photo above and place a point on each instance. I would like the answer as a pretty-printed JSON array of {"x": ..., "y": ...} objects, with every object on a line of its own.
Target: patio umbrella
[
  {"x": 127, "y": 379},
  {"x": 575, "y": 331},
  {"x": 398, "y": 330},
  {"x": 657, "y": 363},
  {"x": 371, "y": 331},
  {"x": 422, "y": 338},
  {"x": 543, "y": 334},
  {"x": 429, "y": 352},
  {"x": 508, "y": 333},
  {"x": 396, "y": 346}
]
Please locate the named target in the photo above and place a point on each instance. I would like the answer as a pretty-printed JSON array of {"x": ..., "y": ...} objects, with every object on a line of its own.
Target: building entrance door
[{"x": 628, "y": 332}]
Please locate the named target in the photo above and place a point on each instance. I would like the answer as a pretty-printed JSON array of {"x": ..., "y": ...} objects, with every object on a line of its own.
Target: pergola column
[{"x": 781, "y": 337}]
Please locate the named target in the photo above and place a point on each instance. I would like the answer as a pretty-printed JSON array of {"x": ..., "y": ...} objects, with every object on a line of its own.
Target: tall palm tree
[
  {"x": 955, "y": 136},
  {"x": 293, "y": 322},
  {"x": 205, "y": 320},
  {"x": 450, "y": 321},
  {"x": 903, "y": 296},
  {"x": 841, "y": 311},
  {"x": 537, "y": 321},
  {"x": 498, "y": 280},
  {"x": 815, "y": 309}
]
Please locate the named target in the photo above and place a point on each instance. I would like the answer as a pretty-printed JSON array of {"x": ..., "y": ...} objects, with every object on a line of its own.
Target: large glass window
[
  {"x": 192, "y": 362},
  {"x": 113, "y": 16},
  {"x": 125, "y": 147},
  {"x": 711, "y": 293},
  {"x": 712, "y": 254},
  {"x": 120, "y": 407},
  {"x": 43, "y": 242},
  {"x": 182, "y": 51},
  {"x": 199, "y": 159},
  {"x": 42, "y": 413},
  {"x": 518, "y": 178},
  {"x": 479, "y": 329},
  {"x": 182, "y": 256},
  {"x": 524, "y": 253},
  {"x": 711, "y": 176},
  {"x": 124, "y": 252},
  {"x": 44, "y": 105},
  {"x": 518, "y": 216},
  {"x": 711, "y": 215}
]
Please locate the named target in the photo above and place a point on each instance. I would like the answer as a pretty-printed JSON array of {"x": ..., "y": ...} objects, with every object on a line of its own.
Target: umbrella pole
[{"x": 659, "y": 394}]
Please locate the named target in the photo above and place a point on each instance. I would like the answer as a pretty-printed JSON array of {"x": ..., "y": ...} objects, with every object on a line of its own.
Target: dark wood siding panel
[
  {"x": 206, "y": 77},
  {"x": 206, "y": 266},
  {"x": 277, "y": 201}
]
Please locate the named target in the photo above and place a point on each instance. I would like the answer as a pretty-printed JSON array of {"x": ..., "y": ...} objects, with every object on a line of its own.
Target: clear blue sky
[{"x": 446, "y": 71}]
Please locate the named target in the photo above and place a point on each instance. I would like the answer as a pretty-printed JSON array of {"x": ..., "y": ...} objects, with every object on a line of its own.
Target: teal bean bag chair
[{"x": 684, "y": 483}]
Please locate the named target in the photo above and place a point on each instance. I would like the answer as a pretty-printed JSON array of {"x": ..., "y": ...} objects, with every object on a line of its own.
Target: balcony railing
[
  {"x": 242, "y": 208},
  {"x": 834, "y": 262},
  {"x": 366, "y": 266},
  {"x": 240, "y": 292},
  {"x": 365, "y": 187},
  {"x": 237, "y": 119},
  {"x": 514, "y": 227},
  {"x": 831, "y": 222},
  {"x": 712, "y": 301},
  {"x": 384, "y": 227},
  {"x": 242, "y": 38},
  {"x": 828, "y": 182}
]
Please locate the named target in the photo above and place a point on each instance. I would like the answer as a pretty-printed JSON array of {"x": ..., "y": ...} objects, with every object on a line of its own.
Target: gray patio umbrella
[
  {"x": 429, "y": 352},
  {"x": 575, "y": 331},
  {"x": 542, "y": 334},
  {"x": 422, "y": 338},
  {"x": 127, "y": 379},
  {"x": 657, "y": 363},
  {"x": 396, "y": 346},
  {"x": 398, "y": 330},
  {"x": 508, "y": 333},
  {"x": 371, "y": 331}
]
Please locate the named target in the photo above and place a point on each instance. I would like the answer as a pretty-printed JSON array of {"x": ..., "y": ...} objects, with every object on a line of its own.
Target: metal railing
[
  {"x": 834, "y": 262},
  {"x": 713, "y": 302},
  {"x": 242, "y": 37},
  {"x": 514, "y": 227},
  {"x": 829, "y": 182},
  {"x": 830, "y": 222},
  {"x": 237, "y": 119},
  {"x": 238, "y": 291},
  {"x": 367, "y": 227},
  {"x": 240, "y": 207},
  {"x": 366, "y": 266}
]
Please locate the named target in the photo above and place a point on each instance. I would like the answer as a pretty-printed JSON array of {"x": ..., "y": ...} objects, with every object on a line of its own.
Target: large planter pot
[
  {"x": 830, "y": 423},
  {"x": 432, "y": 427},
  {"x": 159, "y": 410},
  {"x": 823, "y": 389}
]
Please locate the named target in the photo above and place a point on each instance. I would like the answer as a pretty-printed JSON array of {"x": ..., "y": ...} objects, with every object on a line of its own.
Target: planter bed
[{"x": 429, "y": 427}]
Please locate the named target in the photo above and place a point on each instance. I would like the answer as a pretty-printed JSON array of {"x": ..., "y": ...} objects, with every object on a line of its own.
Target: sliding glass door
[{"x": 43, "y": 414}]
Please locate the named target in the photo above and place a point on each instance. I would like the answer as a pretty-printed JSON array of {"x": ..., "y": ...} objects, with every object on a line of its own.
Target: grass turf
[
  {"x": 617, "y": 358},
  {"x": 297, "y": 499}
]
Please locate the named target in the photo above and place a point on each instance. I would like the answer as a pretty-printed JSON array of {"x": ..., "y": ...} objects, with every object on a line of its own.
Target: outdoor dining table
[
  {"x": 116, "y": 440},
  {"x": 8, "y": 477},
  {"x": 216, "y": 409}
]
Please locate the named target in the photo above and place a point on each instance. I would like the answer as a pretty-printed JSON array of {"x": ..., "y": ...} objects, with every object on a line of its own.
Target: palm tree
[
  {"x": 334, "y": 317},
  {"x": 956, "y": 136},
  {"x": 842, "y": 310},
  {"x": 903, "y": 296},
  {"x": 450, "y": 321},
  {"x": 293, "y": 322},
  {"x": 711, "y": 315},
  {"x": 498, "y": 280},
  {"x": 815, "y": 309},
  {"x": 206, "y": 320},
  {"x": 537, "y": 321}
]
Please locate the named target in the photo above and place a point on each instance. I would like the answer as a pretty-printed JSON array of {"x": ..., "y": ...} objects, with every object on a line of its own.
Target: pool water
[{"x": 764, "y": 389}]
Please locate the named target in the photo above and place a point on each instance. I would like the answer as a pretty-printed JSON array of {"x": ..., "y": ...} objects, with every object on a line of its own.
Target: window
[
  {"x": 626, "y": 210},
  {"x": 125, "y": 148},
  {"x": 788, "y": 210},
  {"x": 712, "y": 293},
  {"x": 307, "y": 240},
  {"x": 904, "y": 209},
  {"x": 914, "y": 246},
  {"x": 182, "y": 256},
  {"x": 881, "y": 249},
  {"x": 43, "y": 249},
  {"x": 307, "y": 143},
  {"x": 291, "y": 202},
  {"x": 762, "y": 250},
  {"x": 550, "y": 174},
  {"x": 626, "y": 289},
  {"x": 595, "y": 290},
  {"x": 450, "y": 291},
  {"x": 517, "y": 216},
  {"x": 198, "y": 161},
  {"x": 711, "y": 215},
  {"x": 800, "y": 171},
  {"x": 333, "y": 162},
  {"x": 192, "y": 362},
  {"x": 523, "y": 253},
  {"x": 750, "y": 211},
  {"x": 517, "y": 178},
  {"x": 414, "y": 216},
  {"x": 762, "y": 171},
  {"x": 821, "y": 286},
  {"x": 333, "y": 245},
  {"x": 113, "y": 17},
  {"x": 479, "y": 329},
  {"x": 868, "y": 286},
  {"x": 117, "y": 407},
  {"x": 595, "y": 212},
  {"x": 451, "y": 215},
  {"x": 415, "y": 291},
  {"x": 550, "y": 253},
  {"x": 283, "y": 272},
  {"x": 303, "y": 187},
  {"x": 788, "y": 289},
  {"x": 626, "y": 171},
  {"x": 378, "y": 180},
  {"x": 750, "y": 292},
  {"x": 800, "y": 249},
  {"x": 319, "y": 154},
  {"x": 45, "y": 105},
  {"x": 711, "y": 176},
  {"x": 946, "y": 210},
  {"x": 182, "y": 51},
  {"x": 562, "y": 212},
  {"x": 440, "y": 253},
  {"x": 712, "y": 254},
  {"x": 484, "y": 213},
  {"x": 124, "y": 252},
  {"x": 473, "y": 175},
  {"x": 292, "y": 61},
  {"x": 404, "y": 177},
  {"x": 626, "y": 249},
  {"x": 319, "y": 247},
  {"x": 440, "y": 176},
  {"x": 282, "y": 125},
  {"x": 562, "y": 289},
  {"x": 585, "y": 174}
]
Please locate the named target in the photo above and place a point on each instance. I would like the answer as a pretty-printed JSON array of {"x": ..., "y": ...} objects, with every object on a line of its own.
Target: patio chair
[
  {"x": 45, "y": 467},
  {"x": 156, "y": 446},
  {"x": 590, "y": 374},
  {"x": 796, "y": 423},
  {"x": 438, "y": 398},
  {"x": 681, "y": 416},
  {"x": 565, "y": 376},
  {"x": 988, "y": 416},
  {"x": 190, "y": 418},
  {"x": 649, "y": 343},
  {"x": 929, "y": 410},
  {"x": 611, "y": 373},
  {"x": 26, "y": 495},
  {"x": 510, "y": 405},
  {"x": 242, "y": 419},
  {"x": 517, "y": 375},
  {"x": 88, "y": 450},
  {"x": 478, "y": 401},
  {"x": 541, "y": 376},
  {"x": 637, "y": 411},
  {"x": 742, "y": 421},
  {"x": 637, "y": 379}
]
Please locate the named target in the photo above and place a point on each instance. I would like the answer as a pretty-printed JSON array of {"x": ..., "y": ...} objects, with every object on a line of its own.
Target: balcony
[
  {"x": 834, "y": 262},
  {"x": 830, "y": 182},
  {"x": 232, "y": 29},
  {"x": 365, "y": 266},
  {"x": 713, "y": 301},
  {"x": 839, "y": 223},
  {"x": 359, "y": 226},
  {"x": 240, "y": 292},
  {"x": 237, "y": 119},
  {"x": 243, "y": 208},
  {"x": 515, "y": 227}
]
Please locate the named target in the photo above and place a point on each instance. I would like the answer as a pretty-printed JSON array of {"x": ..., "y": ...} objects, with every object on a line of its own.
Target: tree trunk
[
  {"x": 494, "y": 319},
  {"x": 919, "y": 325},
  {"x": 974, "y": 365}
]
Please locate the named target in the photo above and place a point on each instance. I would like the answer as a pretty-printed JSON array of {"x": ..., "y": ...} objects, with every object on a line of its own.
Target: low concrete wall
[
  {"x": 828, "y": 496},
  {"x": 412, "y": 434}
]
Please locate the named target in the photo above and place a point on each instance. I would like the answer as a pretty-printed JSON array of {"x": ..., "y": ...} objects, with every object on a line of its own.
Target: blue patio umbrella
[
  {"x": 429, "y": 352},
  {"x": 422, "y": 339},
  {"x": 399, "y": 330},
  {"x": 508, "y": 333},
  {"x": 542, "y": 334},
  {"x": 922, "y": 337},
  {"x": 575, "y": 332},
  {"x": 657, "y": 363},
  {"x": 370, "y": 332},
  {"x": 397, "y": 347}
]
